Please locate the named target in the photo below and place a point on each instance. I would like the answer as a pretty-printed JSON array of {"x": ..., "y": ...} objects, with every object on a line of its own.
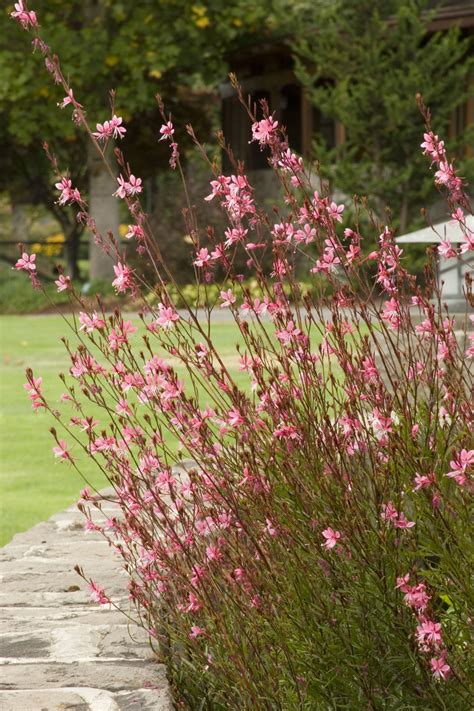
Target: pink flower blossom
[
  {"x": 271, "y": 528},
  {"x": 416, "y": 596},
  {"x": 402, "y": 522},
  {"x": 429, "y": 634},
  {"x": 194, "y": 605},
  {"x": 33, "y": 388},
  {"x": 167, "y": 131},
  {"x": 122, "y": 190},
  {"x": 196, "y": 632},
  {"x": 264, "y": 131},
  {"x": 167, "y": 316},
  {"x": 389, "y": 512},
  {"x": 213, "y": 552},
  {"x": 119, "y": 336},
  {"x": 123, "y": 278},
  {"x": 25, "y": 17},
  {"x": 390, "y": 515},
  {"x": 335, "y": 211},
  {"x": 228, "y": 298},
  {"x": 127, "y": 188},
  {"x": 422, "y": 481},
  {"x": 68, "y": 193},
  {"x": 69, "y": 99},
  {"x": 90, "y": 323},
  {"x": 332, "y": 537},
  {"x": 433, "y": 146},
  {"x": 134, "y": 185},
  {"x": 62, "y": 451},
  {"x": 135, "y": 231},
  {"x": 109, "y": 129},
  {"x": 98, "y": 594},
  {"x": 63, "y": 283},
  {"x": 202, "y": 257},
  {"x": 446, "y": 249},
  {"x": 460, "y": 465},
  {"x": 391, "y": 313},
  {"x": 26, "y": 263},
  {"x": 439, "y": 667}
]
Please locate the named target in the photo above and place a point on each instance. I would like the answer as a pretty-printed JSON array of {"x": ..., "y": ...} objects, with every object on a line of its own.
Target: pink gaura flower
[
  {"x": 134, "y": 185},
  {"x": 423, "y": 481},
  {"x": 33, "y": 388},
  {"x": 213, "y": 552},
  {"x": 271, "y": 528},
  {"x": 68, "y": 193},
  {"x": 228, "y": 298},
  {"x": 62, "y": 451},
  {"x": 335, "y": 211},
  {"x": 460, "y": 465},
  {"x": 429, "y": 634},
  {"x": 402, "y": 522},
  {"x": 26, "y": 263},
  {"x": 194, "y": 605},
  {"x": 167, "y": 131},
  {"x": 402, "y": 582},
  {"x": 415, "y": 596},
  {"x": 439, "y": 667},
  {"x": 264, "y": 131},
  {"x": 196, "y": 632},
  {"x": 389, "y": 512},
  {"x": 390, "y": 515},
  {"x": 25, "y": 17},
  {"x": 202, "y": 257},
  {"x": 90, "y": 323},
  {"x": 126, "y": 188},
  {"x": 391, "y": 313},
  {"x": 167, "y": 316},
  {"x": 63, "y": 283},
  {"x": 122, "y": 190},
  {"x": 433, "y": 146},
  {"x": 332, "y": 537},
  {"x": 135, "y": 231},
  {"x": 69, "y": 99},
  {"x": 123, "y": 278},
  {"x": 446, "y": 249},
  {"x": 109, "y": 129},
  {"x": 98, "y": 594}
]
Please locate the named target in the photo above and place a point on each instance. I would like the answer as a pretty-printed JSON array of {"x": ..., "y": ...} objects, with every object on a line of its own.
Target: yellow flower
[
  {"x": 203, "y": 22},
  {"x": 112, "y": 60}
]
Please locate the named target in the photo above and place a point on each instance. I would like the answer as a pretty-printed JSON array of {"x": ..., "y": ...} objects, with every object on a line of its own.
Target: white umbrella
[{"x": 449, "y": 231}]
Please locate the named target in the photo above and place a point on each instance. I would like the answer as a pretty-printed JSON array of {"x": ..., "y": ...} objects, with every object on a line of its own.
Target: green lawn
[{"x": 33, "y": 485}]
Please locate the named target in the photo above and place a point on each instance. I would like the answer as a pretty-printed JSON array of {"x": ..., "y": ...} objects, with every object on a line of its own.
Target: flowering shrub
[{"x": 319, "y": 553}]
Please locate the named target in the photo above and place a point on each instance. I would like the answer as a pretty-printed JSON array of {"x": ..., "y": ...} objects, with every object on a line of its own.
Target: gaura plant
[{"x": 318, "y": 554}]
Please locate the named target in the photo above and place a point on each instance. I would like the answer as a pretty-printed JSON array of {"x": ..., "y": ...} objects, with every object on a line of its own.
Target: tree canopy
[
  {"x": 172, "y": 47},
  {"x": 363, "y": 64}
]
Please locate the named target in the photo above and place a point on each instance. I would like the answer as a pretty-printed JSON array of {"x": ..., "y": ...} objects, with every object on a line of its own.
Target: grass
[{"x": 33, "y": 485}]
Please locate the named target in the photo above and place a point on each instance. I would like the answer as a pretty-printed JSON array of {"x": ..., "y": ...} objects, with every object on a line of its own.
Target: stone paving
[{"x": 58, "y": 650}]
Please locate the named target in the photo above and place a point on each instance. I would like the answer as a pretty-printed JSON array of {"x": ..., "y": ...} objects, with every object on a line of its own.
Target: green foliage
[
  {"x": 362, "y": 65},
  {"x": 173, "y": 48}
]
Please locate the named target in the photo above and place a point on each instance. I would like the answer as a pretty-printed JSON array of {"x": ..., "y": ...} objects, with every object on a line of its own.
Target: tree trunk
[
  {"x": 73, "y": 239},
  {"x": 19, "y": 221},
  {"x": 104, "y": 209}
]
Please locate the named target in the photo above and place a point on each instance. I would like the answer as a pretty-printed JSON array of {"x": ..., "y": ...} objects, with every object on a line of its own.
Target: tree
[
  {"x": 362, "y": 64},
  {"x": 140, "y": 48}
]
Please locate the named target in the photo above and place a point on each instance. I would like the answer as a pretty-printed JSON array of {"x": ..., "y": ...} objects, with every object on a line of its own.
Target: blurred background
[{"x": 341, "y": 76}]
